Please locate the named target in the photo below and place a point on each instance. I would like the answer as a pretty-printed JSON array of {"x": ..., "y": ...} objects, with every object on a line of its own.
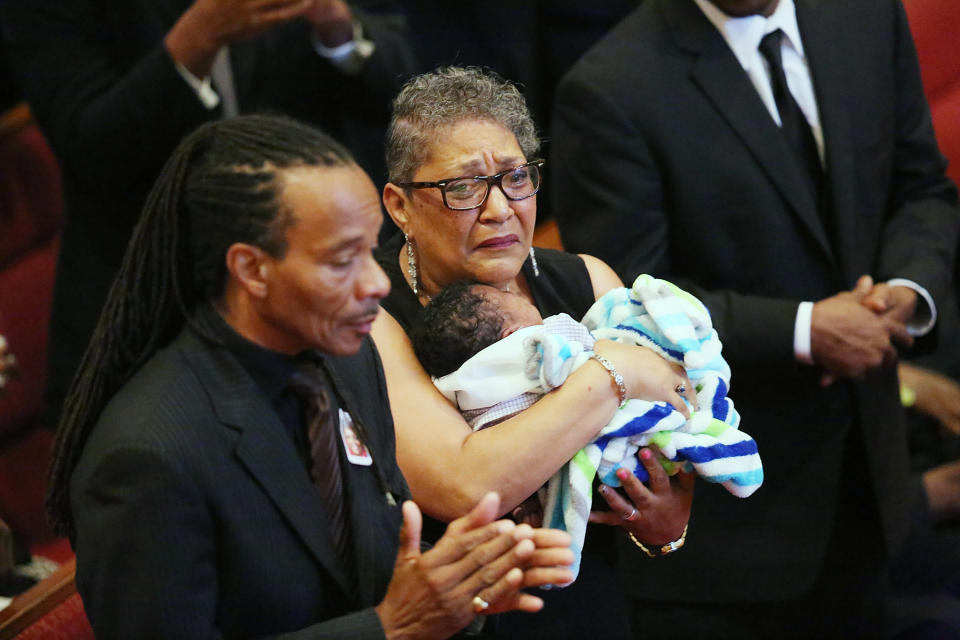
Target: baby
[
  {"x": 465, "y": 318},
  {"x": 492, "y": 354}
]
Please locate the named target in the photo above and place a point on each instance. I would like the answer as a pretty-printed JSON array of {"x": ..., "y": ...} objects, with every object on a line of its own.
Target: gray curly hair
[{"x": 433, "y": 101}]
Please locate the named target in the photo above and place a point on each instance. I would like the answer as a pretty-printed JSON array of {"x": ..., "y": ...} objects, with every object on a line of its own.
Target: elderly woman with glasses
[{"x": 463, "y": 182}]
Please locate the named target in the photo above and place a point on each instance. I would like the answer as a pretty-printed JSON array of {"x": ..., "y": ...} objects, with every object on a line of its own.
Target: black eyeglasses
[{"x": 470, "y": 192}]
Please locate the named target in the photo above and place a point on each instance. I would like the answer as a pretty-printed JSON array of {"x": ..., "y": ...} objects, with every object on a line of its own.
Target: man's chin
[
  {"x": 346, "y": 343},
  {"x": 741, "y": 9}
]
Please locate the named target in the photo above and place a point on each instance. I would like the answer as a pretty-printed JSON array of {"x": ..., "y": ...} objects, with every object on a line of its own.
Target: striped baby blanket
[{"x": 653, "y": 313}]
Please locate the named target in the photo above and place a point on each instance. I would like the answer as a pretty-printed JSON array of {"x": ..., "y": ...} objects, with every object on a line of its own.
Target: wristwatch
[{"x": 663, "y": 550}]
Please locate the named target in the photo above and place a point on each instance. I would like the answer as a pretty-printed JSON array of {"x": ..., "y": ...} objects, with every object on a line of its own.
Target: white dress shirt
[{"x": 348, "y": 58}]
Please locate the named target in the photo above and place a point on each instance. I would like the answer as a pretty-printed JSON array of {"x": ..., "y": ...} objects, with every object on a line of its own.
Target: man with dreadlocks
[{"x": 191, "y": 470}]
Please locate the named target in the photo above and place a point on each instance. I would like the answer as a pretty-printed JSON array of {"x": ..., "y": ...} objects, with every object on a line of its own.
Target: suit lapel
[
  {"x": 831, "y": 88},
  {"x": 266, "y": 450},
  {"x": 367, "y": 541},
  {"x": 718, "y": 74}
]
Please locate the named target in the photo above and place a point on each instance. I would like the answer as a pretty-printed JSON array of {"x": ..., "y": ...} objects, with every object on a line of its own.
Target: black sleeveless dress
[{"x": 594, "y": 605}]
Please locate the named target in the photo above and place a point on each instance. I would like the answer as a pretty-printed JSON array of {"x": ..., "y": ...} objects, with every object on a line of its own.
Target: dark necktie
[
  {"x": 793, "y": 123},
  {"x": 325, "y": 471}
]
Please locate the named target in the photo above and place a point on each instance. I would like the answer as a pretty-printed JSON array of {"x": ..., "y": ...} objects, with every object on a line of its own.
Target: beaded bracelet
[
  {"x": 617, "y": 378},
  {"x": 663, "y": 550}
]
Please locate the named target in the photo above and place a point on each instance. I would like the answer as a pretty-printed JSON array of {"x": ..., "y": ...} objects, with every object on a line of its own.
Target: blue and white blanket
[{"x": 653, "y": 313}]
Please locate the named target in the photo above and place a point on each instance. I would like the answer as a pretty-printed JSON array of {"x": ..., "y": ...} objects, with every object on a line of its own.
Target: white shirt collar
[{"x": 743, "y": 35}]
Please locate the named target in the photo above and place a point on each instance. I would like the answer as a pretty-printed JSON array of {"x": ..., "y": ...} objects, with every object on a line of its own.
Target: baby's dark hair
[{"x": 457, "y": 323}]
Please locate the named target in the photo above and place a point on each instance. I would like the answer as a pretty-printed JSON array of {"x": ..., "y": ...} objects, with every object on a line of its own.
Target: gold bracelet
[
  {"x": 670, "y": 547},
  {"x": 617, "y": 378}
]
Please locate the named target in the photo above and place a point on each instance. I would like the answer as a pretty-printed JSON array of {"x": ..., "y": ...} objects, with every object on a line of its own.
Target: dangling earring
[
  {"x": 411, "y": 265},
  {"x": 533, "y": 263}
]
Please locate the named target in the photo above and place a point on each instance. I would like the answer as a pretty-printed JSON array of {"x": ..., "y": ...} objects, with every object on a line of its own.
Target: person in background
[
  {"x": 781, "y": 166},
  {"x": 115, "y": 85},
  {"x": 203, "y": 468},
  {"x": 9, "y": 92},
  {"x": 531, "y": 43},
  {"x": 925, "y": 577}
]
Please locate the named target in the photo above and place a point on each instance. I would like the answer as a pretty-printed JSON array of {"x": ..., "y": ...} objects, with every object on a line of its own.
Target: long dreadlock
[{"x": 219, "y": 187}]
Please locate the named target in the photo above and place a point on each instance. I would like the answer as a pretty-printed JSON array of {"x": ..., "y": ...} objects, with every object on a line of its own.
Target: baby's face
[{"x": 517, "y": 312}]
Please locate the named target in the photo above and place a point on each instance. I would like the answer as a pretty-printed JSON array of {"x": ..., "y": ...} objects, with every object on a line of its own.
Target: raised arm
[{"x": 101, "y": 79}]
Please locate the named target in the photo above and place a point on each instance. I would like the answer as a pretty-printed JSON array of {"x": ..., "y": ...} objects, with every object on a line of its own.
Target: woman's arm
[
  {"x": 665, "y": 502},
  {"x": 603, "y": 279},
  {"x": 449, "y": 467}
]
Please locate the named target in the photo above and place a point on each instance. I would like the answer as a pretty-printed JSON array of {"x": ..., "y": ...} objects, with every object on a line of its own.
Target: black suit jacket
[
  {"x": 111, "y": 103},
  {"x": 667, "y": 162},
  {"x": 196, "y": 516}
]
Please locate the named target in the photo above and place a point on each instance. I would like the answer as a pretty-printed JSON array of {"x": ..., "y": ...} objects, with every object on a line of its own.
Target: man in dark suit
[
  {"x": 115, "y": 85},
  {"x": 226, "y": 464},
  {"x": 767, "y": 175}
]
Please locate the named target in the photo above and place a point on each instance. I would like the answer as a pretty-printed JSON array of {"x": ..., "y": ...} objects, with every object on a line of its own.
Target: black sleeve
[{"x": 111, "y": 112}]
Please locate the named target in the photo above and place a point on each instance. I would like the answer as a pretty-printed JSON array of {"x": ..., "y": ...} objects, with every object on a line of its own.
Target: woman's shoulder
[
  {"x": 602, "y": 276},
  {"x": 560, "y": 282},
  {"x": 557, "y": 263}
]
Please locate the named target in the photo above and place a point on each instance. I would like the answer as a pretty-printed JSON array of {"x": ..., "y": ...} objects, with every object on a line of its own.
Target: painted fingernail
[
  {"x": 603, "y": 489},
  {"x": 646, "y": 454},
  {"x": 622, "y": 474}
]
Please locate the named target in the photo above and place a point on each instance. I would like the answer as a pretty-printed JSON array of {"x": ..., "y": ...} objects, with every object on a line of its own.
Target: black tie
[
  {"x": 793, "y": 123},
  {"x": 325, "y": 471}
]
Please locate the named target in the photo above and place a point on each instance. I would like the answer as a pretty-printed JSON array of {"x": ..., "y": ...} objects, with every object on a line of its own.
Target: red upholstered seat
[
  {"x": 50, "y": 610},
  {"x": 936, "y": 31},
  {"x": 30, "y": 217},
  {"x": 67, "y": 621},
  {"x": 31, "y": 202}
]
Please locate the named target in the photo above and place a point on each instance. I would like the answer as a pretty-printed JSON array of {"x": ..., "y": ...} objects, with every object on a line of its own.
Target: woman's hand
[
  {"x": 332, "y": 22},
  {"x": 655, "y": 515},
  {"x": 648, "y": 376},
  {"x": 936, "y": 395},
  {"x": 8, "y": 363}
]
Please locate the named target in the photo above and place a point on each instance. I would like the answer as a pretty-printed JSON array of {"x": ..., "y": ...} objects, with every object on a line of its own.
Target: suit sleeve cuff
[
  {"x": 925, "y": 315},
  {"x": 359, "y": 625},
  {"x": 202, "y": 87},
  {"x": 802, "y": 350},
  {"x": 349, "y": 57}
]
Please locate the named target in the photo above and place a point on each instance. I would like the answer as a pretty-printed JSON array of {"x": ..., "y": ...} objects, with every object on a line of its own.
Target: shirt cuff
[
  {"x": 203, "y": 88},
  {"x": 801, "y": 333},
  {"x": 925, "y": 315},
  {"x": 349, "y": 57}
]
